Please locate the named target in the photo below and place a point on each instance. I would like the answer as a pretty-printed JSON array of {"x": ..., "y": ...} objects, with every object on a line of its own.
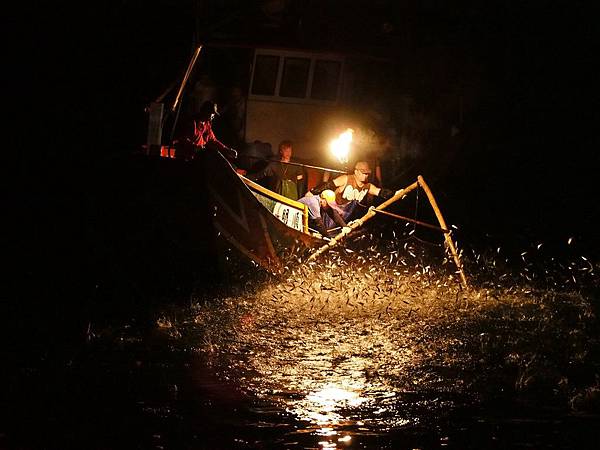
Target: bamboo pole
[
  {"x": 305, "y": 166},
  {"x": 442, "y": 222},
  {"x": 360, "y": 222},
  {"x": 186, "y": 76}
]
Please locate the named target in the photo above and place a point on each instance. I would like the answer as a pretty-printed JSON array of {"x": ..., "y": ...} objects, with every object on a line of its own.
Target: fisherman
[
  {"x": 350, "y": 190},
  {"x": 285, "y": 179},
  {"x": 204, "y": 138},
  {"x": 324, "y": 210}
]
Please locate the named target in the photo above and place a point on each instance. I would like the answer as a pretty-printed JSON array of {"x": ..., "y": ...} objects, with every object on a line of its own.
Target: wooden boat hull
[{"x": 247, "y": 224}]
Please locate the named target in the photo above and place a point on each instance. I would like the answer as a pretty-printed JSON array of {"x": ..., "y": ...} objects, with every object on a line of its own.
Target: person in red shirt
[{"x": 204, "y": 138}]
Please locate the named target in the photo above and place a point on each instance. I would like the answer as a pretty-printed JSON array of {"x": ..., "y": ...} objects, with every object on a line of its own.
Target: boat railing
[{"x": 291, "y": 212}]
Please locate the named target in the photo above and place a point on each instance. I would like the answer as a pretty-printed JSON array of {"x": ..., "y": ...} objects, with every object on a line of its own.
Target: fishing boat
[
  {"x": 258, "y": 222},
  {"x": 263, "y": 225}
]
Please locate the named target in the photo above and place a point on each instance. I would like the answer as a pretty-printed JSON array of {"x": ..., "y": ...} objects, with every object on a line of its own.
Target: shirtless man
[{"x": 349, "y": 190}]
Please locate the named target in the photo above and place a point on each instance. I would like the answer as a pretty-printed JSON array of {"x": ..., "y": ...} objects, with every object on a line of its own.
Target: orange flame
[{"x": 341, "y": 145}]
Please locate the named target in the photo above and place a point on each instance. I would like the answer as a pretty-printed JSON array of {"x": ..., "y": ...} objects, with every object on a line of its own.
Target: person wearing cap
[
  {"x": 204, "y": 138},
  {"x": 319, "y": 206},
  {"x": 350, "y": 190}
]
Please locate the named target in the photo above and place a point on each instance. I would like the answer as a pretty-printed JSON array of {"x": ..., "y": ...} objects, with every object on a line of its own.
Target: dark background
[
  {"x": 81, "y": 75},
  {"x": 85, "y": 74}
]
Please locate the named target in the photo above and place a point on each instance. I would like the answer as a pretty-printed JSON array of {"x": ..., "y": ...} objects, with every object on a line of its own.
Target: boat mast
[
  {"x": 177, "y": 103},
  {"x": 186, "y": 76}
]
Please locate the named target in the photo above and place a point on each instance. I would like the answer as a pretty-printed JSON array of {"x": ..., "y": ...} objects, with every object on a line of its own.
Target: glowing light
[
  {"x": 326, "y": 431},
  {"x": 330, "y": 398},
  {"x": 340, "y": 146}
]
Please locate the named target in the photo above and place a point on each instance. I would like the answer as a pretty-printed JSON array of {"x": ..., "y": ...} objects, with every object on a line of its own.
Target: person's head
[
  {"x": 362, "y": 171},
  {"x": 326, "y": 197},
  {"x": 208, "y": 111},
  {"x": 285, "y": 150}
]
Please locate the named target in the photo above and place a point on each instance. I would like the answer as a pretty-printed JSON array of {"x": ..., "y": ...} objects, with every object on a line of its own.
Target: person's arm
[
  {"x": 335, "y": 216},
  {"x": 195, "y": 134},
  {"x": 227, "y": 151},
  {"x": 266, "y": 172},
  {"x": 300, "y": 185},
  {"x": 320, "y": 226},
  {"x": 332, "y": 185},
  {"x": 381, "y": 192},
  {"x": 299, "y": 174},
  {"x": 210, "y": 137}
]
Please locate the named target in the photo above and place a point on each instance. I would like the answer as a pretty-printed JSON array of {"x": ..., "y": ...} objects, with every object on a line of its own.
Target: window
[
  {"x": 325, "y": 80},
  {"x": 295, "y": 77},
  {"x": 265, "y": 75}
]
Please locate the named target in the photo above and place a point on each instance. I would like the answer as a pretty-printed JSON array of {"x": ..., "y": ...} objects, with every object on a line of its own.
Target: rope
[
  {"x": 414, "y": 232},
  {"x": 415, "y": 222}
]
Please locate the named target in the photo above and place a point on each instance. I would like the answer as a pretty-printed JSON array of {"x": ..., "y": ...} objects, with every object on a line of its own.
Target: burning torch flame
[{"x": 341, "y": 146}]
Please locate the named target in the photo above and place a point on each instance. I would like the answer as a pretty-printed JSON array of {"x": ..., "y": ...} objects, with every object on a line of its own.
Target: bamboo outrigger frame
[{"x": 380, "y": 209}]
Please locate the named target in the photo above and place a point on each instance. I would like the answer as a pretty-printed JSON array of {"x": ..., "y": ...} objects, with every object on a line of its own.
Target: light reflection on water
[
  {"x": 332, "y": 379},
  {"x": 338, "y": 369},
  {"x": 354, "y": 350},
  {"x": 328, "y": 374}
]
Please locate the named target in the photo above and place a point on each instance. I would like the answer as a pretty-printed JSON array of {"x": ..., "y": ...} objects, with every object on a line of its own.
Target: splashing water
[{"x": 375, "y": 339}]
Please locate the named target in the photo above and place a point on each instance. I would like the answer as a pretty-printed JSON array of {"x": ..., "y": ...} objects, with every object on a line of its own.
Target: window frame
[{"x": 313, "y": 58}]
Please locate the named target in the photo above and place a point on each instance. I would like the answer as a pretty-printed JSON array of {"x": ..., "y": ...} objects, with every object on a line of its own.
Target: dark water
[{"x": 373, "y": 346}]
